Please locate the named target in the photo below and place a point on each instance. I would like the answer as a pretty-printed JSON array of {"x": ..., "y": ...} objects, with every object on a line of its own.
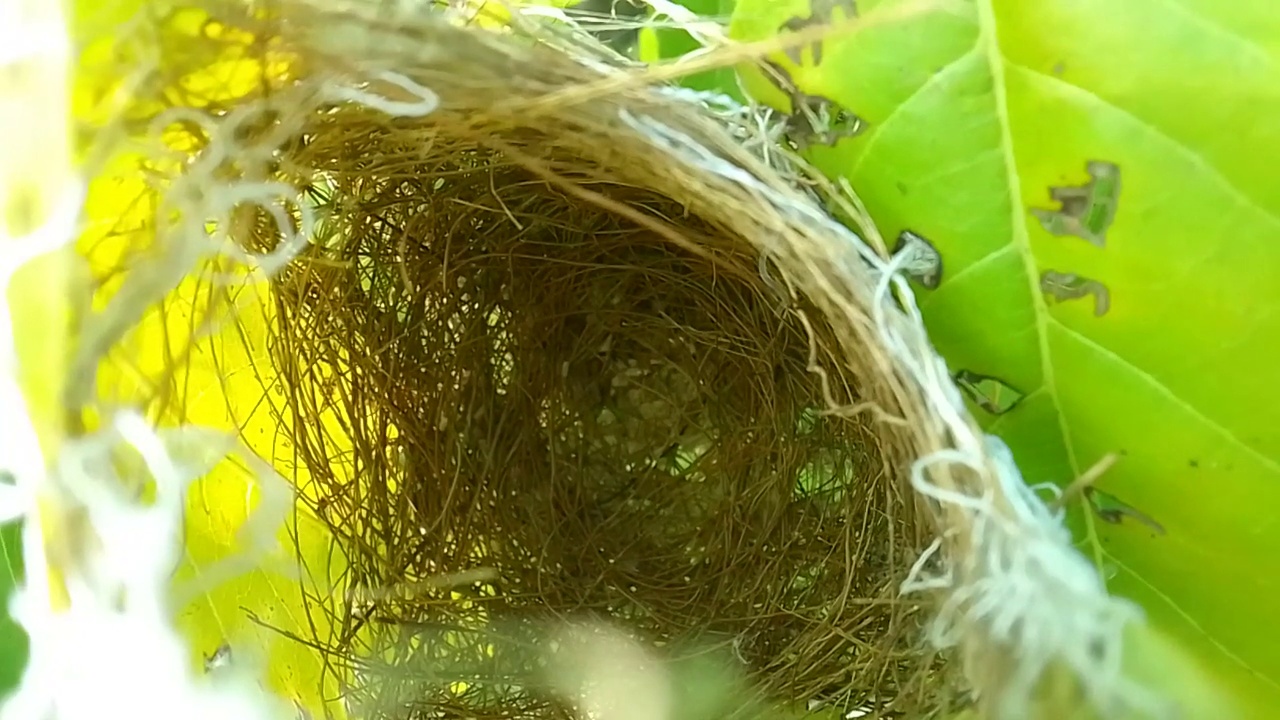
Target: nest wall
[
  {"x": 578, "y": 381},
  {"x": 595, "y": 349}
]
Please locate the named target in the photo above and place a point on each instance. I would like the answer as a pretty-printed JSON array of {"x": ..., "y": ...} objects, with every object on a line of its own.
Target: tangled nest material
[
  {"x": 593, "y": 348},
  {"x": 572, "y": 378}
]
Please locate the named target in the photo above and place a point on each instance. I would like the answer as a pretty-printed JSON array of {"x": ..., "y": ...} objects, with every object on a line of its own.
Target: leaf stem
[{"x": 1085, "y": 481}]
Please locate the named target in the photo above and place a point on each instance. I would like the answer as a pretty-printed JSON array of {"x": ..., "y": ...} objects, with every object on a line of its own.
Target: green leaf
[
  {"x": 1099, "y": 180},
  {"x": 14, "y": 644}
]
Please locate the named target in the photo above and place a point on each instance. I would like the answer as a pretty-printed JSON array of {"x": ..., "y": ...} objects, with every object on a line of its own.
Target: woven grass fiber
[{"x": 553, "y": 341}]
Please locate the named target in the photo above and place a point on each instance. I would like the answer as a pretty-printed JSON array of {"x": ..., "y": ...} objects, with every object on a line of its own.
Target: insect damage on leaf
[
  {"x": 1061, "y": 287},
  {"x": 1085, "y": 211},
  {"x": 814, "y": 119},
  {"x": 989, "y": 393},
  {"x": 821, "y": 12},
  {"x": 925, "y": 262},
  {"x": 1114, "y": 511}
]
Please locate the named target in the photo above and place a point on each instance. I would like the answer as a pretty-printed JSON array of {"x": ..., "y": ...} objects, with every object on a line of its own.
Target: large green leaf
[{"x": 1139, "y": 315}]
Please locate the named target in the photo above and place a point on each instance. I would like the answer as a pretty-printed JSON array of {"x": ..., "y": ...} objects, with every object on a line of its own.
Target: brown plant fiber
[{"x": 577, "y": 371}]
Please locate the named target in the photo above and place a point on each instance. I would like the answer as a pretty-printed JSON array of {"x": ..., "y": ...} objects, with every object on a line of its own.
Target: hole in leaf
[
  {"x": 925, "y": 263},
  {"x": 615, "y": 23},
  {"x": 813, "y": 119},
  {"x": 1061, "y": 287},
  {"x": 817, "y": 120},
  {"x": 822, "y": 14},
  {"x": 1085, "y": 211},
  {"x": 1114, "y": 511},
  {"x": 989, "y": 393}
]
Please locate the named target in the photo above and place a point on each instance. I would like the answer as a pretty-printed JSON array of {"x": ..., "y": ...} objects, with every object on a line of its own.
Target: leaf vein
[
  {"x": 1208, "y": 25},
  {"x": 1196, "y": 158},
  {"x": 1189, "y": 619},
  {"x": 1151, "y": 380},
  {"x": 1020, "y": 236},
  {"x": 932, "y": 82},
  {"x": 982, "y": 262}
]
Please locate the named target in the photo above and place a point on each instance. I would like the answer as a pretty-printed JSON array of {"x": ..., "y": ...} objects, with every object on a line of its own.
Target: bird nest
[
  {"x": 605, "y": 412},
  {"x": 573, "y": 378},
  {"x": 556, "y": 341}
]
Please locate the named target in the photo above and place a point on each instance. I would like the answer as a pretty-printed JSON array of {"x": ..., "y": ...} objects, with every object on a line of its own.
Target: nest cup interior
[
  {"x": 597, "y": 419},
  {"x": 584, "y": 416},
  {"x": 568, "y": 385}
]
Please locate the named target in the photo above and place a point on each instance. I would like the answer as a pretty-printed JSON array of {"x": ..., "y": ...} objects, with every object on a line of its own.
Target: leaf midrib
[{"x": 989, "y": 46}]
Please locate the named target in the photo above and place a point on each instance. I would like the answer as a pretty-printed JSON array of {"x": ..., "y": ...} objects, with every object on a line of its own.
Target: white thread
[
  {"x": 20, "y": 447},
  {"x": 210, "y": 157},
  {"x": 917, "y": 580},
  {"x": 53, "y": 235},
  {"x": 121, "y": 606},
  {"x": 264, "y": 195},
  {"x": 708, "y": 34},
  {"x": 427, "y": 101}
]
